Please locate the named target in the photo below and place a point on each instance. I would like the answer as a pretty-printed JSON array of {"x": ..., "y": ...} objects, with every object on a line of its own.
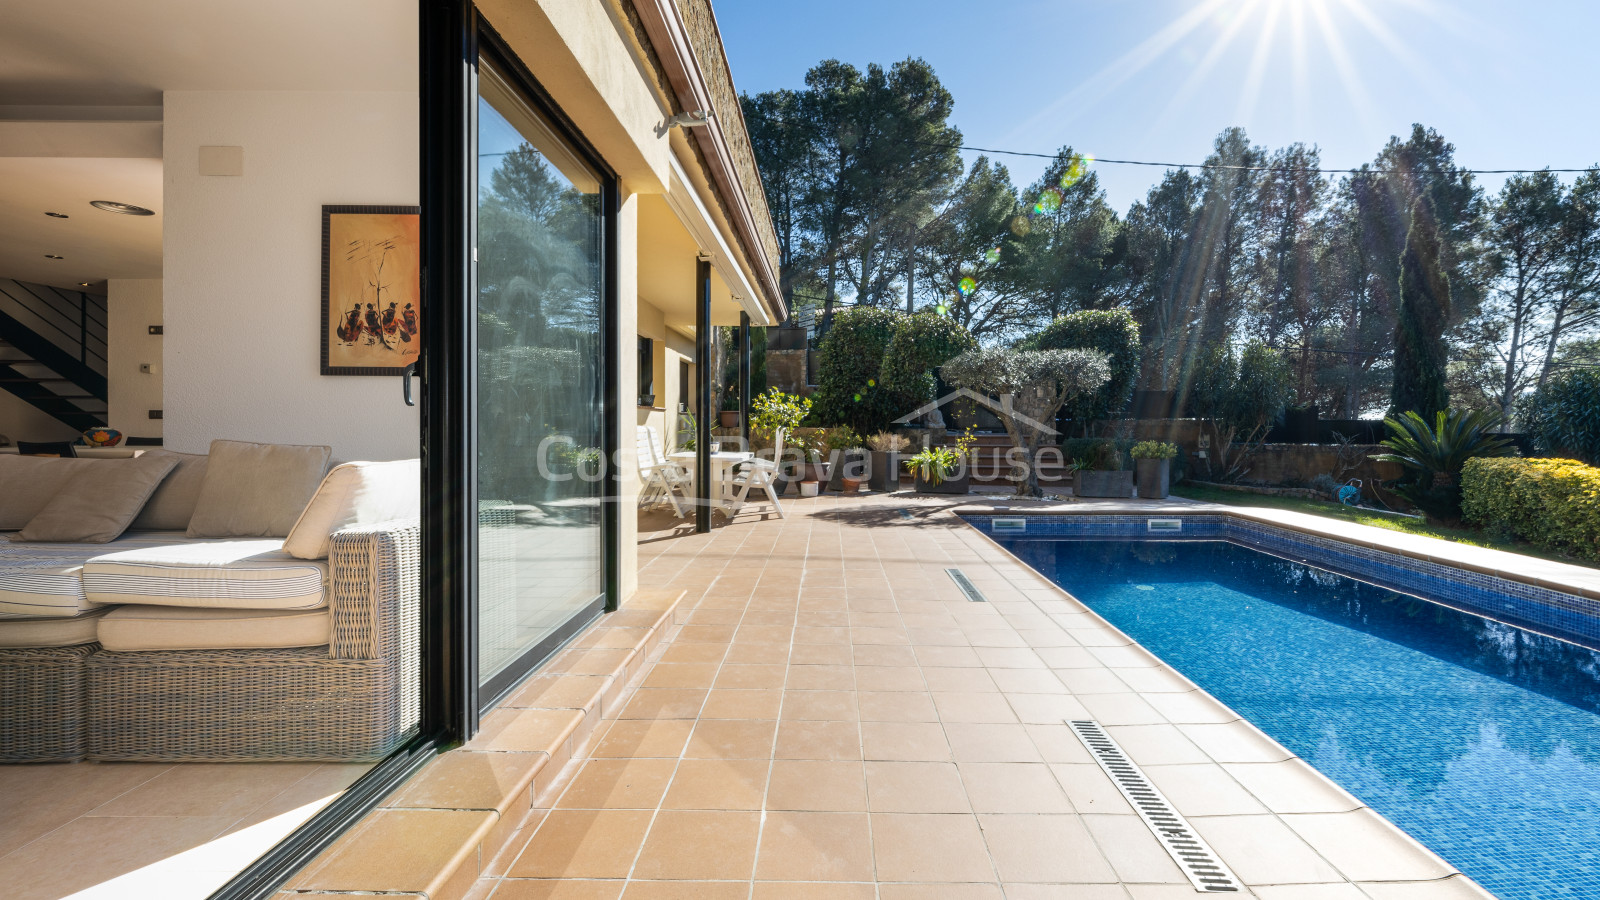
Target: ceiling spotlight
[
  {"x": 83, "y": 284},
  {"x": 56, "y": 215},
  {"x": 695, "y": 118},
  {"x": 126, "y": 209},
  {"x": 53, "y": 256}
]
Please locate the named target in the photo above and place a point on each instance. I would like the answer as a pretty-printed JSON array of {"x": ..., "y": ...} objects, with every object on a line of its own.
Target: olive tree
[{"x": 1032, "y": 386}]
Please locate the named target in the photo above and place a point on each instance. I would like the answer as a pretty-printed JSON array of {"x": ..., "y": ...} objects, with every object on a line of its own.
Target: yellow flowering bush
[{"x": 1551, "y": 503}]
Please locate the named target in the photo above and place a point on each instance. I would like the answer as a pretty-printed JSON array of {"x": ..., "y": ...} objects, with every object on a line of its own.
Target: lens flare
[
  {"x": 1077, "y": 167},
  {"x": 1049, "y": 201},
  {"x": 942, "y": 310},
  {"x": 1020, "y": 225},
  {"x": 991, "y": 255},
  {"x": 967, "y": 285}
]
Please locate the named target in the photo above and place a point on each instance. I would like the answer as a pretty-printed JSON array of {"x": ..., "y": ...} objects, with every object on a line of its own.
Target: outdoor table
[{"x": 722, "y": 463}]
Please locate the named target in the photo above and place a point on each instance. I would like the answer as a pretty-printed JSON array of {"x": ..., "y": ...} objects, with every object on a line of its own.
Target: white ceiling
[{"x": 80, "y": 92}]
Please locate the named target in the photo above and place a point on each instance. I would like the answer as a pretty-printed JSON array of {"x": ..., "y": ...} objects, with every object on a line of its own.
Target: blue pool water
[{"x": 1479, "y": 739}]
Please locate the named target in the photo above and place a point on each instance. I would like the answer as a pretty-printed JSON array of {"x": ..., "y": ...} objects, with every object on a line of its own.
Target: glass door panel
[{"x": 539, "y": 267}]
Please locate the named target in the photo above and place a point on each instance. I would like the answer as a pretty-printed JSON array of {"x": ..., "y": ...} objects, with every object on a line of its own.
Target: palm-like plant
[{"x": 1437, "y": 452}]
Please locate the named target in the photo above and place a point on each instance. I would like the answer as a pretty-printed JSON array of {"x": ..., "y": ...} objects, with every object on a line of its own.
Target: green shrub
[
  {"x": 1153, "y": 450},
  {"x": 1112, "y": 332},
  {"x": 1113, "y": 455},
  {"x": 921, "y": 342},
  {"x": 849, "y": 360},
  {"x": 1551, "y": 503},
  {"x": 1563, "y": 416}
]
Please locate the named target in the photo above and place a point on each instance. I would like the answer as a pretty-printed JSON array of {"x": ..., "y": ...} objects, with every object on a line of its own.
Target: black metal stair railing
[{"x": 53, "y": 351}]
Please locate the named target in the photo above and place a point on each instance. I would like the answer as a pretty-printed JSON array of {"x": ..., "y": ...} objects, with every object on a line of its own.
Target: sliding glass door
[{"x": 540, "y": 265}]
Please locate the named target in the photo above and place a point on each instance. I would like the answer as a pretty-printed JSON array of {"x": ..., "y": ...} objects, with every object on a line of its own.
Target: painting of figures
[{"x": 371, "y": 289}]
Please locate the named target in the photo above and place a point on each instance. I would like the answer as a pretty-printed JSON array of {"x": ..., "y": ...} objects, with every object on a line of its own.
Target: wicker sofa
[{"x": 354, "y": 697}]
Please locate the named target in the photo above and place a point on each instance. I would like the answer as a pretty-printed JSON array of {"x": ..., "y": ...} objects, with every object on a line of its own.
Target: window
[{"x": 647, "y": 372}]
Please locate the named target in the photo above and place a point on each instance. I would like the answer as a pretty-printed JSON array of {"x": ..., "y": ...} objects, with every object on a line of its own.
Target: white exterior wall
[{"x": 243, "y": 266}]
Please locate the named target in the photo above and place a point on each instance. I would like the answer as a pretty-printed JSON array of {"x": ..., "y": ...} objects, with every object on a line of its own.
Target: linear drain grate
[
  {"x": 966, "y": 585},
  {"x": 1197, "y": 860}
]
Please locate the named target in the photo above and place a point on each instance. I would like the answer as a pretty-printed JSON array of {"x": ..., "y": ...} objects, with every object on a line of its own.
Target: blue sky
[{"x": 1511, "y": 84}]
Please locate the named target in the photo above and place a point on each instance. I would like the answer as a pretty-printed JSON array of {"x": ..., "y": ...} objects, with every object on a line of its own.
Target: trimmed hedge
[
  {"x": 1563, "y": 416},
  {"x": 1551, "y": 503},
  {"x": 848, "y": 361},
  {"x": 1112, "y": 332},
  {"x": 922, "y": 341}
]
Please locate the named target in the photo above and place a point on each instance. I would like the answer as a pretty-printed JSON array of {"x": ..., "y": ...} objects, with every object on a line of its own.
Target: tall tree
[
  {"x": 1424, "y": 311},
  {"x": 966, "y": 253},
  {"x": 1066, "y": 239},
  {"x": 1575, "y": 305},
  {"x": 782, "y": 138},
  {"x": 1290, "y": 207},
  {"x": 1164, "y": 285},
  {"x": 1524, "y": 238}
]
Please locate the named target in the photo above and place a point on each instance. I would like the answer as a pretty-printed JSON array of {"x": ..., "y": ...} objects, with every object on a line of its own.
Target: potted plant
[
  {"x": 775, "y": 410},
  {"x": 728, "y": 416},
  {"x": 1100, "y": 474},
  {"x": 943, "y": 469},
  {"x": 847, "y": 461},
  {"x": 883, "y": 473},
  {"x": 1152, "y": 463}
]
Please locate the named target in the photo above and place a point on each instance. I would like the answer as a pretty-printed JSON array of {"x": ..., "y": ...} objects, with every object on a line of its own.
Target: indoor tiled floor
[
  {"x": 836, "y": 720},
  {"x": 164, "y": 831}
]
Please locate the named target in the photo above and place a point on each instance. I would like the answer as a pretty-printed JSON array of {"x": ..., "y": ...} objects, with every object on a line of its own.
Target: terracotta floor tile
[
  {"x": 817, "y": 785},
  {"x": 751, "y": 677},
  {"x": 968, "y": 680},
  {"x": 619, "y": 784},
  {"x": 916, "y": 787},
  {"x": 888, "y": 678},
  {"x": 583, "y": 843},
  {"x": 559, "y": 692},
  {"x": 464, "y": 779},
  {"x": 1046, "y": 709},
  {"x": 699, "y": 845},
  {"x": 820, "y": 655},
  {"x": 967, "y": 891},
  {"x": 973, "y": 708},
  {"x": 829, "y": 706},
  {"x": 764, "y": 634},
  {"x": 399, "y": 850},
  {"x": 991, "y": 743},
  {"x": 883, "y": 655},
  {"x": 680, "y": 675},
  {"x": 896, "y": 706},
  {"x": 1058, "y": 743},
  {"x": 820, "y": 678},
  {"x": 812, "y": 890},
  {"x": 705, "y": 634},
  {"x": 1013, "y": 788},
  {"x": 818, "y": 740},
  {"x": 693, "y": 653},
  {"x": 731, "y": 739},
  {"x": 644, "y": 737},
  {"x": 664, "y": 703},
  {"x": 815, "y": 846},
  {"x": 686, "y": 890},
  {"x": 1027, "y": 681},
  {"x": 1134, "y": 853},
  {"x": 904, "y": 741},
  {"x": 1009, "y": 658},
  {"x": 742, "y": 704},
  {"x": 948, "y": 657},
  {"x": 564, "y": 889},
  {"x": 1045, "y": 849},
  {"x": 909, "y": 847},
  {"x": 718, "y": 784},
  {"x": 811, "y": 634}
]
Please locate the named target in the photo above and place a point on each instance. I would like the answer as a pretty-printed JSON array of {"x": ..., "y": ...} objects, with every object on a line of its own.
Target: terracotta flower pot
[{"x": 728, "y": 418}]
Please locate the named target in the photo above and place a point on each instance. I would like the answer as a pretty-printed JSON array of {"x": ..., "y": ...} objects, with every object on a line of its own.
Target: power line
[{"x": 1172, "y": 165}]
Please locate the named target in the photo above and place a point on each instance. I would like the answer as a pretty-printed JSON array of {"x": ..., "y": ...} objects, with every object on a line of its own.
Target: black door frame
[{"x": 452, "y": 36}]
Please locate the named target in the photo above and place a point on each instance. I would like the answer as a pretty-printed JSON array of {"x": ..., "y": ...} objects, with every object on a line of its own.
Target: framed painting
[{"x": 371, "y": 289}]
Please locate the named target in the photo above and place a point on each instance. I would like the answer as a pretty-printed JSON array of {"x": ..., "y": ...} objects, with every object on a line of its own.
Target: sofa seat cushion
[
  {"x": 39, "y": 631},
  {"x": 219, "y": 575},
  {"x": 45, "y": 579},
  {"x": 134, "y": 628}
]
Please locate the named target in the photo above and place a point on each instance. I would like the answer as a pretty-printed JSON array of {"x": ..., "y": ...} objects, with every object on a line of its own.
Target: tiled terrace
[{"x": 834, "y": 719}]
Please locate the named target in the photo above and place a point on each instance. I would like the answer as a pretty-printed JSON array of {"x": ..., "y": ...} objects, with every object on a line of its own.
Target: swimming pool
[{"x": 1480, "y": 739}]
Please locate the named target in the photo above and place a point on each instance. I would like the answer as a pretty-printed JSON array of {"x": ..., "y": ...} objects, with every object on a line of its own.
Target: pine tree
[{"x": 1424, "y": 314}]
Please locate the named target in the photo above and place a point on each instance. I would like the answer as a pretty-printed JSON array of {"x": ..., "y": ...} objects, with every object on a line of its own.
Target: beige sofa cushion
[
  {"x": 53, "y": 632},
  {"x": 256, "y": 490},
  {"x": 356, "y": 494},
  {"x": 219, "y": 574},
  {"x": 28, "y": 483},
  {"x": 172, "y": 505},
  {"x": 134, "y": 628},
  {"x": 99, "y": 502},
  {"x": 45, "y": 580}
]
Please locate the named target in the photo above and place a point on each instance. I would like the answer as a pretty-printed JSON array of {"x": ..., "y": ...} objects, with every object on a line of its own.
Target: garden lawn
[{"x": 1332, "y": 510}]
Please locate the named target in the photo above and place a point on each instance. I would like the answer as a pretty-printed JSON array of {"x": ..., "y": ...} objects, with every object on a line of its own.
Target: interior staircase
[{"x": 53, "y": 351}]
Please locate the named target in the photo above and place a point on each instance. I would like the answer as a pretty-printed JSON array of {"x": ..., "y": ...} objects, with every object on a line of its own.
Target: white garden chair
[
  {"x": 761, "y": 474},
  {"x": 661, "y": 477}
]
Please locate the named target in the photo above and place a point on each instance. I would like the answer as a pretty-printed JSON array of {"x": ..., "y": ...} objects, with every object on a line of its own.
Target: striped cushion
[
  {"x": 254, "y": 574},
  {"x": 38, "y": 631},
  {"x": 43, "y": 579},
  {"x": 139, "y": 628}
]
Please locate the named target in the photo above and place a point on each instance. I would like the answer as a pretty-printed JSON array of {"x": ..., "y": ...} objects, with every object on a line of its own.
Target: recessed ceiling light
[
  {"x": 53, "y": 256},
  {"x": 83, "y": 284},
  {"x": 56, "y": 215},
  {"x": 126, "y": 209}
]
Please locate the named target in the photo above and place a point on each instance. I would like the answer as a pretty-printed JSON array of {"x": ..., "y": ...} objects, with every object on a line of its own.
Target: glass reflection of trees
[{"x": 539, "y": 313}]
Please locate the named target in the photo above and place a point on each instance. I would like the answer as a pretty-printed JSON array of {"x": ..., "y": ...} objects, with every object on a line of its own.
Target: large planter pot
[
  {"x": 850, "y": 464},
  {"x": 1154, "y": 477},
  {"x": 958, "y": 485},
  {"x": 818, "y": 472},
  {"x": 728, "y": 418},
  {"x": 883, "y": 473},
  {"x": 1102, "y": 484}
]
